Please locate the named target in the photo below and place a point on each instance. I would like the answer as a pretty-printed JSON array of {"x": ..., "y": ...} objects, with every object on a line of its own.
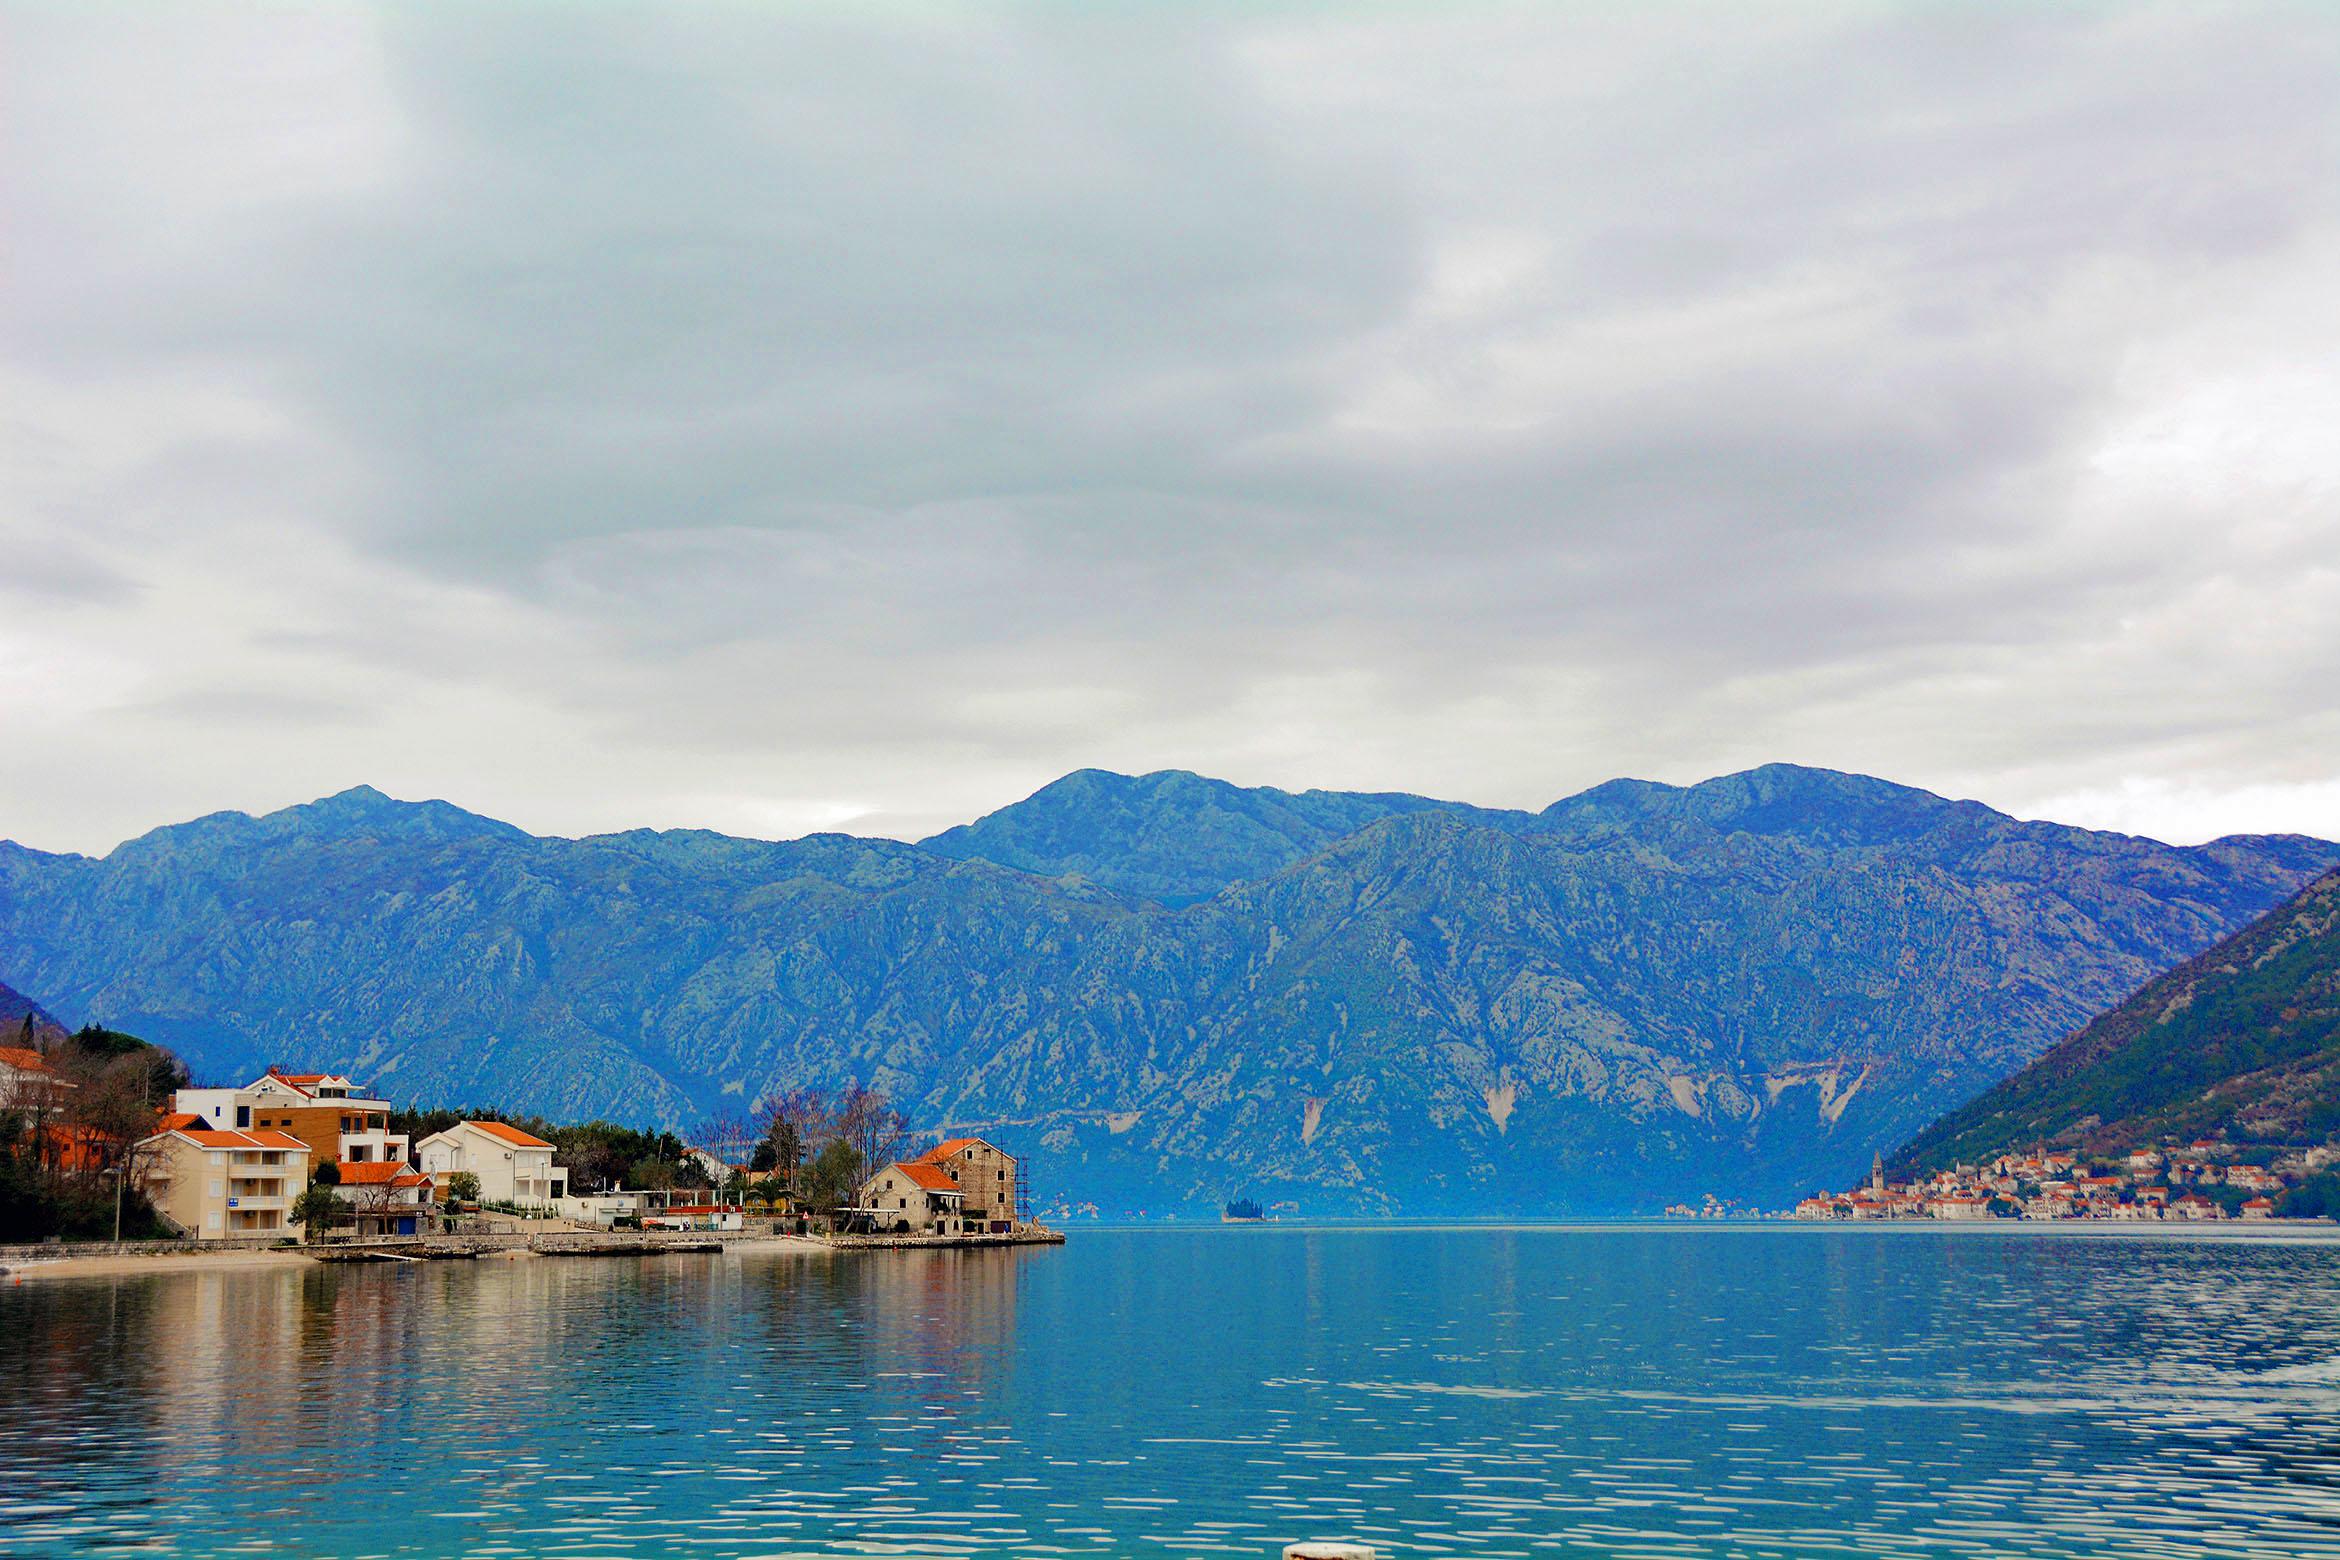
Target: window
[{"x": 243, "y": 1116}]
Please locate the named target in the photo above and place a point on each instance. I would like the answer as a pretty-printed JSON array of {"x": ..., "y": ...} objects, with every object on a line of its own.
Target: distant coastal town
[
  {"x": 94, "y": 1136},
  {"x": 2205, "y": 1180}
]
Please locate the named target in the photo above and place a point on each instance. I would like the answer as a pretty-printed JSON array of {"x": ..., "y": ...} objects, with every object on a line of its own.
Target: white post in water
[{"x": 1328, "y": 1551}]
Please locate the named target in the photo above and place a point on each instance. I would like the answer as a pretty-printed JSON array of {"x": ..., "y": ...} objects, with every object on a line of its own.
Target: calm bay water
[{"x": 1685, "y": 1392}]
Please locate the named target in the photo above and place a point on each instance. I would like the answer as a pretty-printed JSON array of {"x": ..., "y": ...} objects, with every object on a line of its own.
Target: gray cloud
[{"x": 848, "y": 417}]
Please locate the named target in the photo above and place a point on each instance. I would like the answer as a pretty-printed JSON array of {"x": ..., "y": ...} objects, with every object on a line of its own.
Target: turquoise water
[{"x": 1685, "y": 1392}]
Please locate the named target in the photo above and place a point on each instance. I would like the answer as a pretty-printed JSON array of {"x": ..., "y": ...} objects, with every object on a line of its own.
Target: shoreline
[{"x": 130, "y": 1262}]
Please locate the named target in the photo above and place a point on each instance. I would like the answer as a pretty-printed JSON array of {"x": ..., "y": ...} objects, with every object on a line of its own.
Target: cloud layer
[{"x": 854, "y": 417}]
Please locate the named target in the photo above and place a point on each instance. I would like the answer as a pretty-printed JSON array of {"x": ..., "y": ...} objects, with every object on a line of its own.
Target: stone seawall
[
  {"x": 1032, "y": 1237},
  {"x": 56, "y": 1251}
]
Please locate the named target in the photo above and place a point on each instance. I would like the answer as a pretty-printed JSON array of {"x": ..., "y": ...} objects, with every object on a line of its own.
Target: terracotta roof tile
[
  {"x": 510, "y": 1134},
  {"x": 373, "y": 1172},
  {"x": 227, "y": 1138},
  {"x": 928, "y": 1176}
]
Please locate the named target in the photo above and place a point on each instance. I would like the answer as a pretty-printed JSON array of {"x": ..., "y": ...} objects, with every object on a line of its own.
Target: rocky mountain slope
[
  {"x": 1643, "y": 992},
  {"x": 2243, "y": 1039},
  {"x": 15, "y": 1009}
]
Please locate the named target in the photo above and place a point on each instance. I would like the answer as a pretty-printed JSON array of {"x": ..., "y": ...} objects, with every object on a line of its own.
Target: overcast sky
[{"x": 783, "y": 418}]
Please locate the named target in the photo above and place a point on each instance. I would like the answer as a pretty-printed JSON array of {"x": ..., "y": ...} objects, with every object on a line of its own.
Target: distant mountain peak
[
  {"x": 358, "y": 812},
  {"x": 1171, "y": 836}
]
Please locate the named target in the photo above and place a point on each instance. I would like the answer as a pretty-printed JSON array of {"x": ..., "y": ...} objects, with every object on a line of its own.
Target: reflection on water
[{"x": 1683, "y": 1392}]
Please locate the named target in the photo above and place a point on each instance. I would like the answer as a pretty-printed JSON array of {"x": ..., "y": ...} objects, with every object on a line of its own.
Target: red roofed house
[
  {"x": 964, "y": 1186},
  {"x": 910, "y": 1199},
  {"x": 985, "y": 1173},
  {"x": 513, "y": 1166},
  {"x": 385, "y": 1197},
  {"x": 221, "y": 1184},
  {"x": 27, "y": 1081}
]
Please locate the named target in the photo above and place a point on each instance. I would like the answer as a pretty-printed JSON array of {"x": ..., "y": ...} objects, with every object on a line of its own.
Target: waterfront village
[
  {"x": 2207, "y": 1179},
  {"x": 314, "y": 1155}
]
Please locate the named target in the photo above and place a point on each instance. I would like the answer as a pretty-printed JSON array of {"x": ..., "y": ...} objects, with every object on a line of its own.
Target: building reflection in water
[{"x": 353, "y": 1402}]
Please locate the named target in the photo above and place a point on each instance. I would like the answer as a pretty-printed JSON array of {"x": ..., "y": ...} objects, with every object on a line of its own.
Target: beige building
[{"x": 217, "y": 1185}]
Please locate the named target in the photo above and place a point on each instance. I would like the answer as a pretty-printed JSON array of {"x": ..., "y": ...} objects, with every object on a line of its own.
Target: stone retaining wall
[{"x": 51, "y": 1250}]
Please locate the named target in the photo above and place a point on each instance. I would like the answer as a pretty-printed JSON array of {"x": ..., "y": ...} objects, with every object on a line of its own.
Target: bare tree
[
  {"x": 379, "y": 1202},
  {"x": 867, "y": 1123},
  {"x": 793, "y": 1124},
  {"x": 731, "y": 1138}
]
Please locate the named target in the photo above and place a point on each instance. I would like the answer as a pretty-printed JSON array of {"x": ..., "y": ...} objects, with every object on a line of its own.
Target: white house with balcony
[{"x": 513, "y": 1166}]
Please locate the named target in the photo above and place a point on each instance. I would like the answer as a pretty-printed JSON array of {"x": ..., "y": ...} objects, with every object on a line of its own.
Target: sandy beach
[{"x": 130, "y": 1264}]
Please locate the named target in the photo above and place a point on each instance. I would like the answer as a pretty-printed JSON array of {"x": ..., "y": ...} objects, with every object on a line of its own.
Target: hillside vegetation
[{"x": 2243, "y": 1040}]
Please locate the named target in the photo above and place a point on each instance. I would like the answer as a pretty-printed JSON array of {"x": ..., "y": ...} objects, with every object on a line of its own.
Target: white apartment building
[{"x": 513, "y": 1166}]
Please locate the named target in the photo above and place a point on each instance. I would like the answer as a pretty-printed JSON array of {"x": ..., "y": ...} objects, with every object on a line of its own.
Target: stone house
[{"x": 985, "y": 1175}]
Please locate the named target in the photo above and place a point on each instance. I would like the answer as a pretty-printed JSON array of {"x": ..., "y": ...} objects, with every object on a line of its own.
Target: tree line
[
  {"x": 812, "y": 1148},
  {"x": 68, "y": 1149}
]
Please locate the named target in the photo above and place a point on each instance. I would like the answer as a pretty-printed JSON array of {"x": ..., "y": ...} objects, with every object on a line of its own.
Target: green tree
[
  {"x": 327, "y": 1173},
  {"x": 463, "y": 1187},
  {"x": 317, "y": 1211},
  {"x": 650, "y": 1175},
  {"x": 2317, "y": 1197},
  {"x": 833, "y": 1177}
]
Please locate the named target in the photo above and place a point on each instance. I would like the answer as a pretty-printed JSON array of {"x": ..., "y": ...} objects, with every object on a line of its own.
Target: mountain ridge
[{"x": 1747, "y": 985}]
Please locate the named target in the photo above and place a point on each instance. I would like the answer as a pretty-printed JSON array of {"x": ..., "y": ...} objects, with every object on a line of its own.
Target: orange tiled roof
[
  {"x": 510, "y": 1134},
  {"x": 215, "y": 1138},
  {"x": 947, "y": 1149},
  {"x": 178, "y": 1121},
  {"x": 221, "y": 1137},
  {"x": 377, "y": 1172},
  {"x": 28, "y": 1061},
  {"x": 928, "y": 1176}
]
